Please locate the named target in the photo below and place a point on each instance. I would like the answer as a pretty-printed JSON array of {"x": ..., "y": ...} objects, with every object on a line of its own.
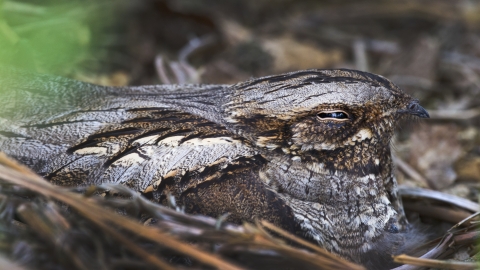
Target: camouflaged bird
[{"x": 307, "y": 150}]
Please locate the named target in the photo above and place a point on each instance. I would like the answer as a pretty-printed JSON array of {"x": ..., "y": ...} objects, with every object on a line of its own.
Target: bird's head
[{"x": 319, "y": 111}]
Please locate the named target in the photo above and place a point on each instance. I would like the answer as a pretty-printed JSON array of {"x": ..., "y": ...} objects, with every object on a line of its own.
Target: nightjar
[{"x": 306, "y": 150}]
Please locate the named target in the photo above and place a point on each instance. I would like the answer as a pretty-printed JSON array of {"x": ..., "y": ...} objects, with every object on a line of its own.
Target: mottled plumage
[{"x": 307, "y": 150}]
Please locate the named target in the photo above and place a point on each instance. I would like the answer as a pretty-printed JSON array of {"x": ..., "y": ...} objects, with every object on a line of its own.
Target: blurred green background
[{"x": 52, "y": 36}]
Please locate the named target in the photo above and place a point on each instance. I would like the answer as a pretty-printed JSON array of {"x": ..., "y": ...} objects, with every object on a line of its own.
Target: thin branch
[
  {"x": 438, "y": 212},
  {"x": 410, "y": 171},
  {"x": 291, "y": 237},
  {"x": 436, "y": 195},
  {"x": 454, "y": 115},
  {"x": 405, "y": 259}
]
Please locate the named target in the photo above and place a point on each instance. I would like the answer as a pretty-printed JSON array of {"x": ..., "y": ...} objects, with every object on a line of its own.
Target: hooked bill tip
[{"x": 415, "y": 109}]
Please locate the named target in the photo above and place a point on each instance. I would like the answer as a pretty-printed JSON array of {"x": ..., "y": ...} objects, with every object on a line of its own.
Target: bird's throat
[{"x": 344, "y": 212}]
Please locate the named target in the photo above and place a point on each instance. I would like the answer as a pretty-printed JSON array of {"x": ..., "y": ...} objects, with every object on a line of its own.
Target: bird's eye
[{"x": 333, "y": 115}]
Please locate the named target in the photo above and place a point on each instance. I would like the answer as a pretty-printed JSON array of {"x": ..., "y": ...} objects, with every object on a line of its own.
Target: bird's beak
[{"x": 414, "y": 108}]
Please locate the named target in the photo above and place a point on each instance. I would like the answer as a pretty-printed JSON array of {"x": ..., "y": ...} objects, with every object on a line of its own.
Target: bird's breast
[{"x": 343, "y": 213}]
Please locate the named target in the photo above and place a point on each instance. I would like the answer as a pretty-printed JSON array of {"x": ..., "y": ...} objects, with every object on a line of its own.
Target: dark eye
[{"x": 334, "y": 115}]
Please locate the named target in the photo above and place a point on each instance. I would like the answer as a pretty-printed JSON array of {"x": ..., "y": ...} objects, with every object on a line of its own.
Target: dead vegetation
[{"x": 113, "y": 227}]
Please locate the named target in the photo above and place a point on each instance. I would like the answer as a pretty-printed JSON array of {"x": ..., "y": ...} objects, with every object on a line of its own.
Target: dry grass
[
  {"x": 47, "y": 226},
  {"x": 113, "y": 227}
]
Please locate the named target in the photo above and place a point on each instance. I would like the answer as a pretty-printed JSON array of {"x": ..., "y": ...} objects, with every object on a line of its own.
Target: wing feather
[{"x": 77, "y": 133}]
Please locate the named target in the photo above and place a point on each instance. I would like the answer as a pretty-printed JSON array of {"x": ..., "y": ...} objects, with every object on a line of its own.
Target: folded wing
[{"x": 76, "y": 133}]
